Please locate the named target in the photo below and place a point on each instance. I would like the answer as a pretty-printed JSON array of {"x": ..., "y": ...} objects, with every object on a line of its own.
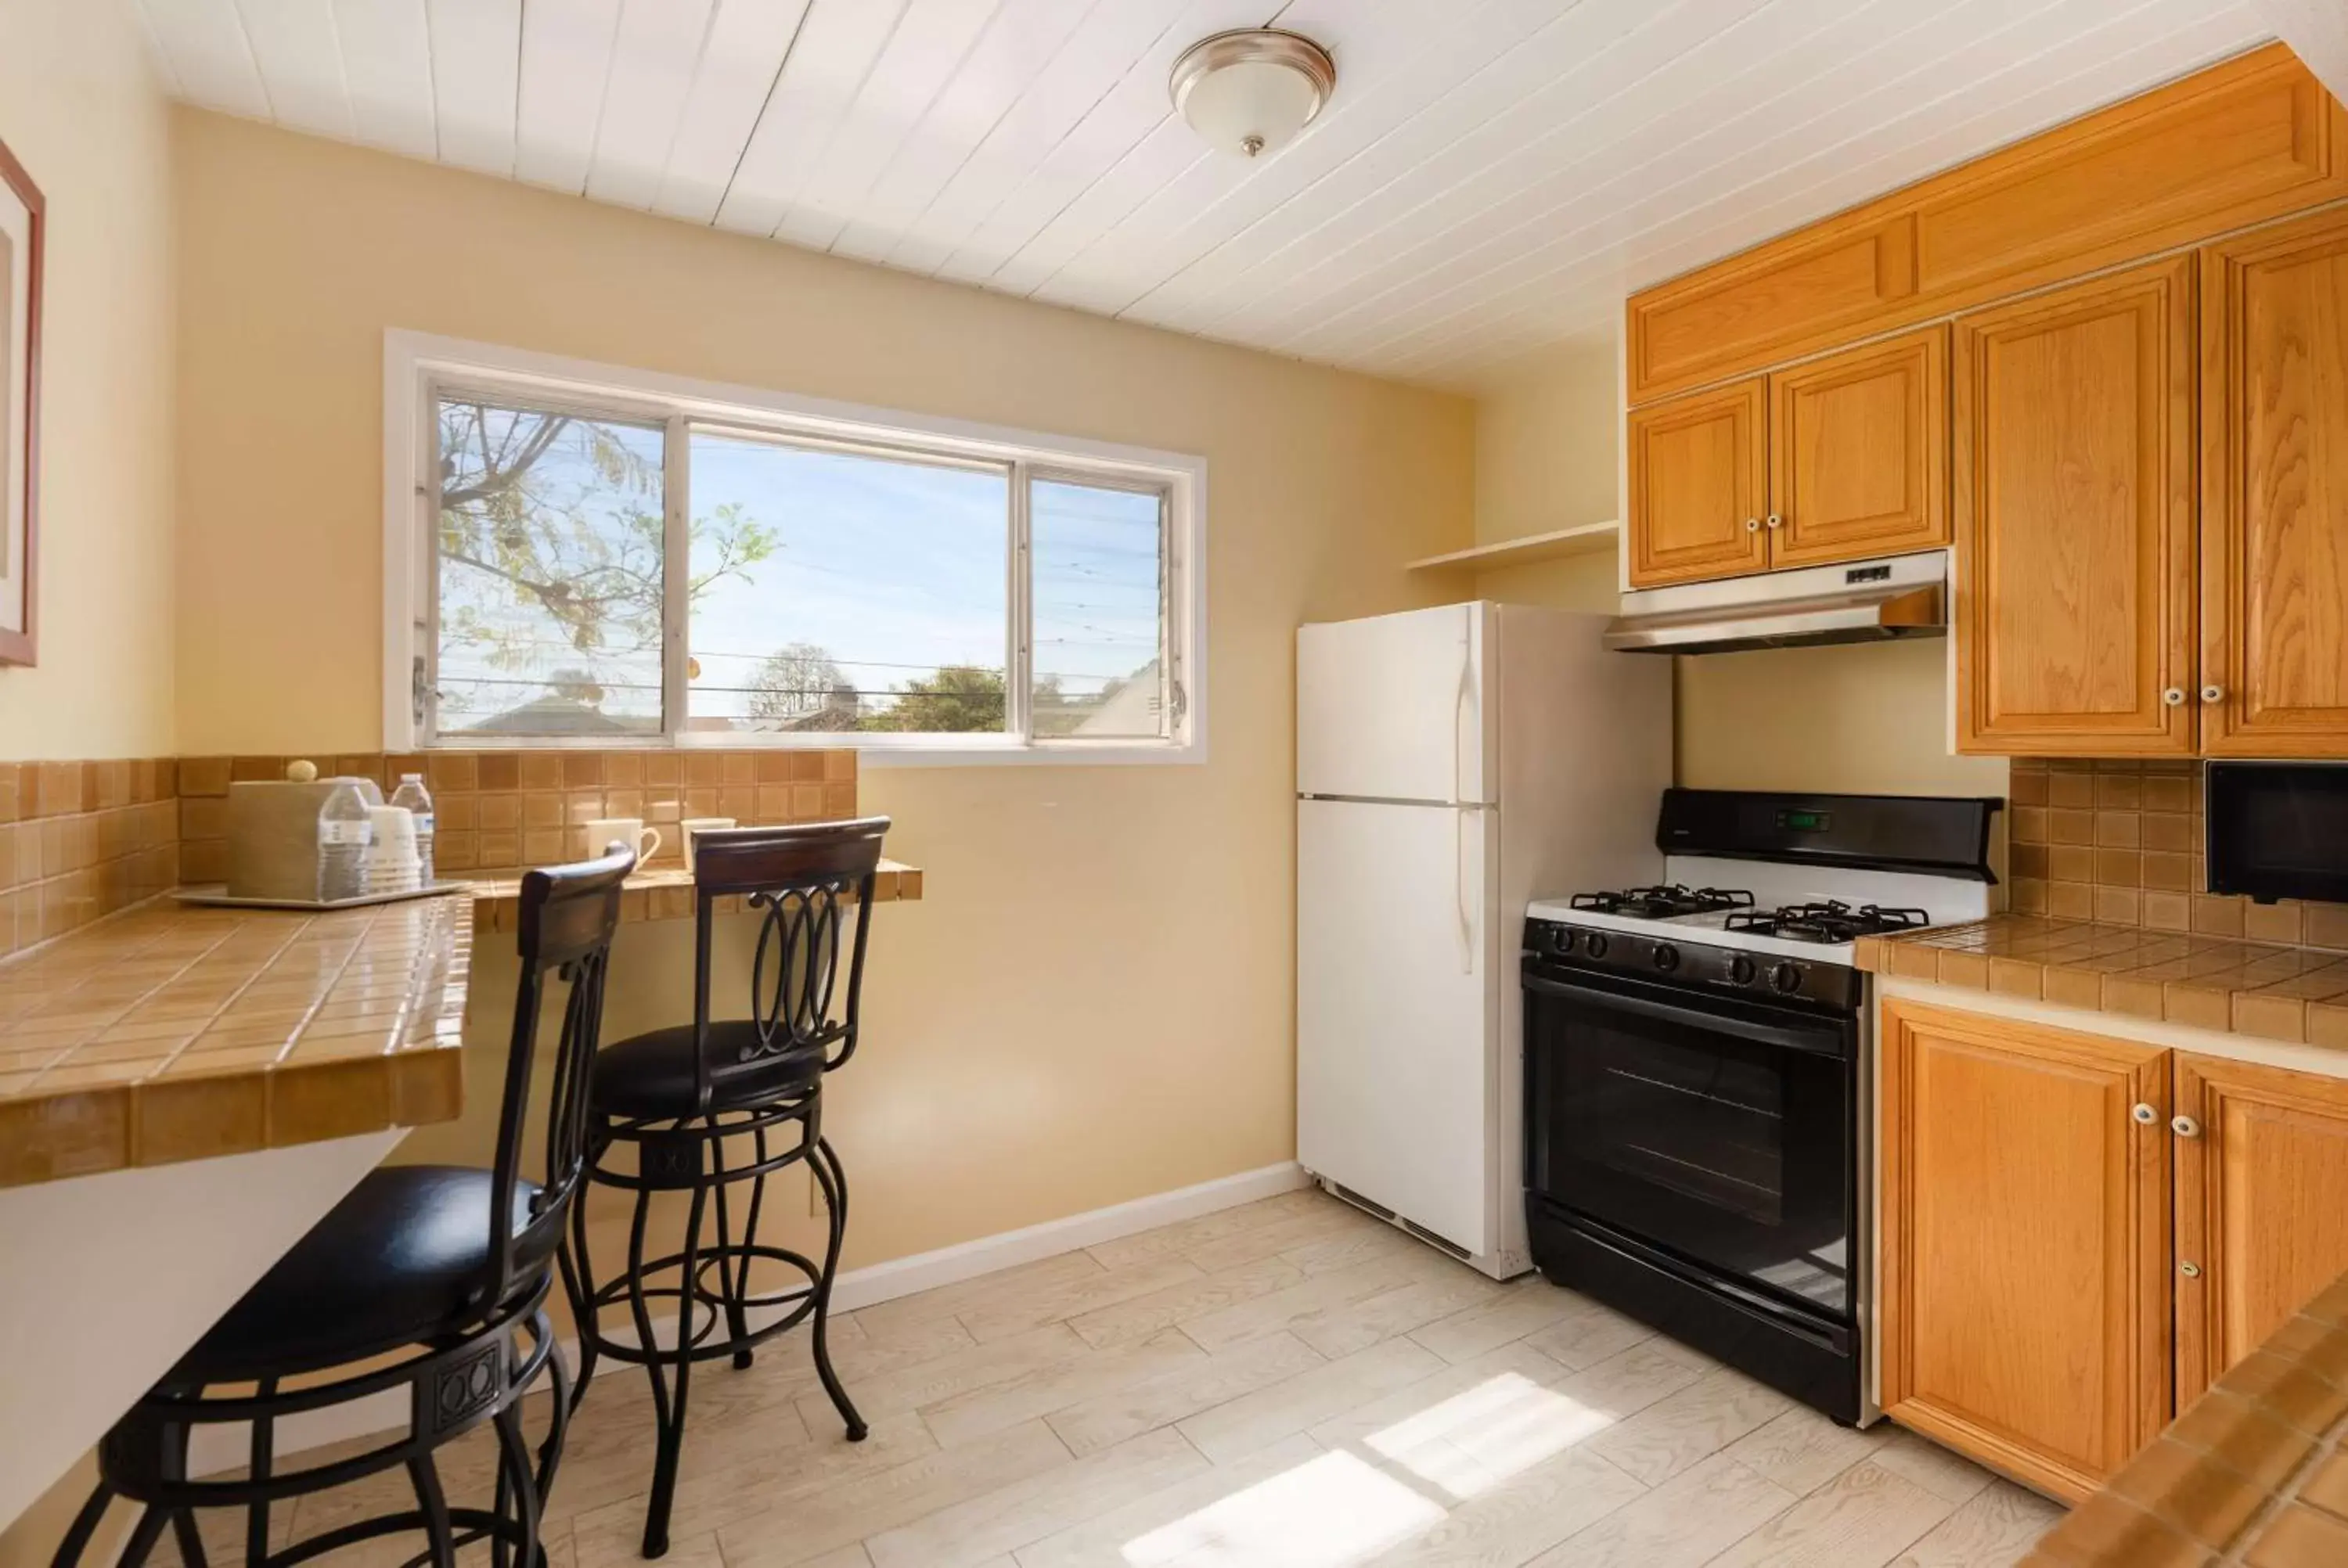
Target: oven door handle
[{"x": 1789, "y": 1036}]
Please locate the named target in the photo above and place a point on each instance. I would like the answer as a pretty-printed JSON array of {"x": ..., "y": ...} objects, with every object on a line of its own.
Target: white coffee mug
[
  {"x": 693, "y": 824},
  {"x": 628, "y": 830}
]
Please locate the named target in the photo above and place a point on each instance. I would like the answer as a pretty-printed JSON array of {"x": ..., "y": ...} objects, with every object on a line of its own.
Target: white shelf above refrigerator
[{"x": 1588, "y": 539}]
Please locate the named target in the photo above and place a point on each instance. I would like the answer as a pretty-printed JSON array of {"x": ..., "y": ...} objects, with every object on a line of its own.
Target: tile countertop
[
  {"x": 172, "y": 1032},
  {"x": 176, "y": 1031},
  {"x": 2255, "y": 1471},
  {"x": 2296, "y": 994}
]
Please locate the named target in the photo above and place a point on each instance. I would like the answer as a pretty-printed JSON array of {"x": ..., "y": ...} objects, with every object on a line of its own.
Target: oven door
[{"x": 1721, "y": 1130}]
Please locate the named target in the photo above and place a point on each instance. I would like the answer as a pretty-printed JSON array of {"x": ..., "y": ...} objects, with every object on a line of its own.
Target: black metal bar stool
[
  {"x": 440, "y": 1268},
  {"x": 679, "y": 1097}
]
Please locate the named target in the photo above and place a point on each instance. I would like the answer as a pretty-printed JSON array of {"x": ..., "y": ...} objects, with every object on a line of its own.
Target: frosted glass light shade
[{"x": 1249, "y": 93}]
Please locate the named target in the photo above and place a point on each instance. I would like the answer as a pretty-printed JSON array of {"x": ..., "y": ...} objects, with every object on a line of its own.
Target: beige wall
[
  {"x": 1546, "y": 442},
  {"x": 1867, "y": 718},
  {"x": 79, "y": 110},
  {"x": 1095, "y": 1001},
  {"x": 1545, "y": 460}
]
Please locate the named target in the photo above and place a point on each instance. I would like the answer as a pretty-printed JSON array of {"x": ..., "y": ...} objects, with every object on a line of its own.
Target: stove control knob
[
  {"x": 1743, "y": 971},
  {"x": 1666, "y": 957},
  {"x": 1594, "y": 944},
  {"x": 1786, "y": 977},
  {"x": 1562, "y": 941}
]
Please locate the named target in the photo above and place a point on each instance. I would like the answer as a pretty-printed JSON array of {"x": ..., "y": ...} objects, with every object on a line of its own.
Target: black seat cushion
[
  {"x": 650, "y": 1075},
  {"x": 390, "y": 1265}
]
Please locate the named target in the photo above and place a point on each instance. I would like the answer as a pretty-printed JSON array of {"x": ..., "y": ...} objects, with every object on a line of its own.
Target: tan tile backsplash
[
  {"x": 82, "y": 839},
  {"x": 2119, "y": 843},
  {"x": 502, "y": 810}
]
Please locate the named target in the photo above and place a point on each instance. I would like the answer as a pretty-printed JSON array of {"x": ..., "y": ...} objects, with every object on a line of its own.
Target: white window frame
[{"x": 417, "y": 366}]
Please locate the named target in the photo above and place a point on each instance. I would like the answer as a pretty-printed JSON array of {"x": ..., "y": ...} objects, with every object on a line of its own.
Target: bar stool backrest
[
  {"x": 568, "y": 914},
  {"x": 802, "y": 879}
]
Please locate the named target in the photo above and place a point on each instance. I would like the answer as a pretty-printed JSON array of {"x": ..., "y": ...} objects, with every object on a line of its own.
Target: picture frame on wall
[{"x": 23, "y": 221}]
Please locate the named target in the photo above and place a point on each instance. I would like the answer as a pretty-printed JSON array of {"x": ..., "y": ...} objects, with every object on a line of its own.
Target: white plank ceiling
[{"x": 1490, "y": 177}]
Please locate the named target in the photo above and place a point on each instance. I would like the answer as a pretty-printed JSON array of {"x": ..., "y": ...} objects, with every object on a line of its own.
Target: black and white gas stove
[{"x": 1697, "y": 1068}]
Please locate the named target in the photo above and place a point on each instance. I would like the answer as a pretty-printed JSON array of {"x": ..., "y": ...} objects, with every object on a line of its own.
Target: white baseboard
[
  {"x": 968, "y": 1260},
  {"x": 219, "y": 1448}
]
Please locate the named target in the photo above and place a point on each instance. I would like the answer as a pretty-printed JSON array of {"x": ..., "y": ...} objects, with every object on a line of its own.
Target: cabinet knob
[
  {"x": 1776, "y": 521},
  {"x": 2190, "y": 1270},
  {"x": 2213, "y": 693},
  {"x": 2185, "y": 1126},
  {"x": 2145, "y": 1113},
  {"x": 2174, "y": 696},
  {"x": 1752, "y": 525}
]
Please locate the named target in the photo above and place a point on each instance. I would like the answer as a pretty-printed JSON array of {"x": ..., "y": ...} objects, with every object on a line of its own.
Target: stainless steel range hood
[{"x": 1858, "y": 601}]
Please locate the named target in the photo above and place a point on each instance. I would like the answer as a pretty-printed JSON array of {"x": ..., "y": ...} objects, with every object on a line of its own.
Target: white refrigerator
[{"x": 1451, "y": 764}]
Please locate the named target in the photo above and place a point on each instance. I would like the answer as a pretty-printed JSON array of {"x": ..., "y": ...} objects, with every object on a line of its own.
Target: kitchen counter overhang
[
  {"x": 173, "y": 1032},
  {"x": 2252, "y": 1471}
]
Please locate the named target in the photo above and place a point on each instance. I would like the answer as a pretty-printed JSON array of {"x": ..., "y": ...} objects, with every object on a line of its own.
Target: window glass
[
  {"x": 1098, "y": 596},
  {"x": 845, "y": 590},
  {"x": 550, "y": 572}
]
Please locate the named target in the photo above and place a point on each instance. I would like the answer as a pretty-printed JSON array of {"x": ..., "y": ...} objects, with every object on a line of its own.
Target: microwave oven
[{"x": 2278, "y": 830}]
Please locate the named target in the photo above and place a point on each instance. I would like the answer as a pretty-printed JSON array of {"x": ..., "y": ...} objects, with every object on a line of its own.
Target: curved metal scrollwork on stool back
[
  {"x": 800, "y": 941},
  {"x": 798, "y": 879},
  {"x": 688, "y": 1099}
]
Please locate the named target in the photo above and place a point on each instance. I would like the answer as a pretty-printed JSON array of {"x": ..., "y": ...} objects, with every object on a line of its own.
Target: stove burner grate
[
  {"x": 1831, "y": 921},
  {"x": 1664, "y": 903}
]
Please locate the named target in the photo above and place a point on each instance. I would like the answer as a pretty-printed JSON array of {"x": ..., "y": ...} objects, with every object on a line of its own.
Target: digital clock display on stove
[{"x": 1805, "y": 821}]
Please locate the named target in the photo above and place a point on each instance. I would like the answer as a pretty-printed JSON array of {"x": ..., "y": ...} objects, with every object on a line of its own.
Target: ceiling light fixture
[{"x": 1251, "y": 91}]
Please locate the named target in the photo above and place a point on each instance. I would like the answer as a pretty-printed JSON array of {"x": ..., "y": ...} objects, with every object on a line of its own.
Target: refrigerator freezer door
[
  {"x": 1392, "y": 708},
  {"x": 1396, "y": 1009}
]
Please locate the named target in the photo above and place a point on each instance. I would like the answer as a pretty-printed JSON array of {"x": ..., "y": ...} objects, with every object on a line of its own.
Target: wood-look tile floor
[{"x": 1285, "y": 1385}]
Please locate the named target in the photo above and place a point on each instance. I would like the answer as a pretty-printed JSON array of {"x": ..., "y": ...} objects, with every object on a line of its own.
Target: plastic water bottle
[
  {"x": 343, "y": 832},
  {"x": 412, "y": 795}
]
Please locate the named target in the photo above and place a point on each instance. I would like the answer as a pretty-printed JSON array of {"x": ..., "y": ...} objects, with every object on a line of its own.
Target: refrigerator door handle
[
  {"x": 1461, "y": 710},
  {"x": 1459, "y": 889}
]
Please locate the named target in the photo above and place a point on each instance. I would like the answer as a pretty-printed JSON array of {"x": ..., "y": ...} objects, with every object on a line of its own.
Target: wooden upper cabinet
[
  {"x": 2261, "y": 1206},
  {"x": 2023, "y": 1315},
  {"x": 1699, "y": 486},
  {"x": 2254, "y": 138},
  {"x": 2274, "y": 497},
  {"x": 2075, "y": 519},
  {"x": 1798, "y": 293},
  {"x": 1859, "y": 453}
]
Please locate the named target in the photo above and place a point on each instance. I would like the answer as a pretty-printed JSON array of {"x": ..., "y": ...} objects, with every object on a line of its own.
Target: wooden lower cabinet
[
  {"x": 2024, "y": 1307},
  {"x": 2261, "y": 1206}
]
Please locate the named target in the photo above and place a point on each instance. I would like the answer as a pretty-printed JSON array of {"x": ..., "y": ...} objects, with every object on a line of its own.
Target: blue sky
[{"x": 894, "y": 567}]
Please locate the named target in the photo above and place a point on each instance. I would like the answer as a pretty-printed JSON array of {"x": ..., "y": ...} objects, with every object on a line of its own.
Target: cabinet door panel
[
  {"x": 2274, "y": 512},
  {"x": 1859, "y": 453},
  {"x": 2023, "y": 1313},
  {"x": 1699, "y": 484},
  {"x": 2074, "y": 500},
  {"x": 2261, "y": 1207}
]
